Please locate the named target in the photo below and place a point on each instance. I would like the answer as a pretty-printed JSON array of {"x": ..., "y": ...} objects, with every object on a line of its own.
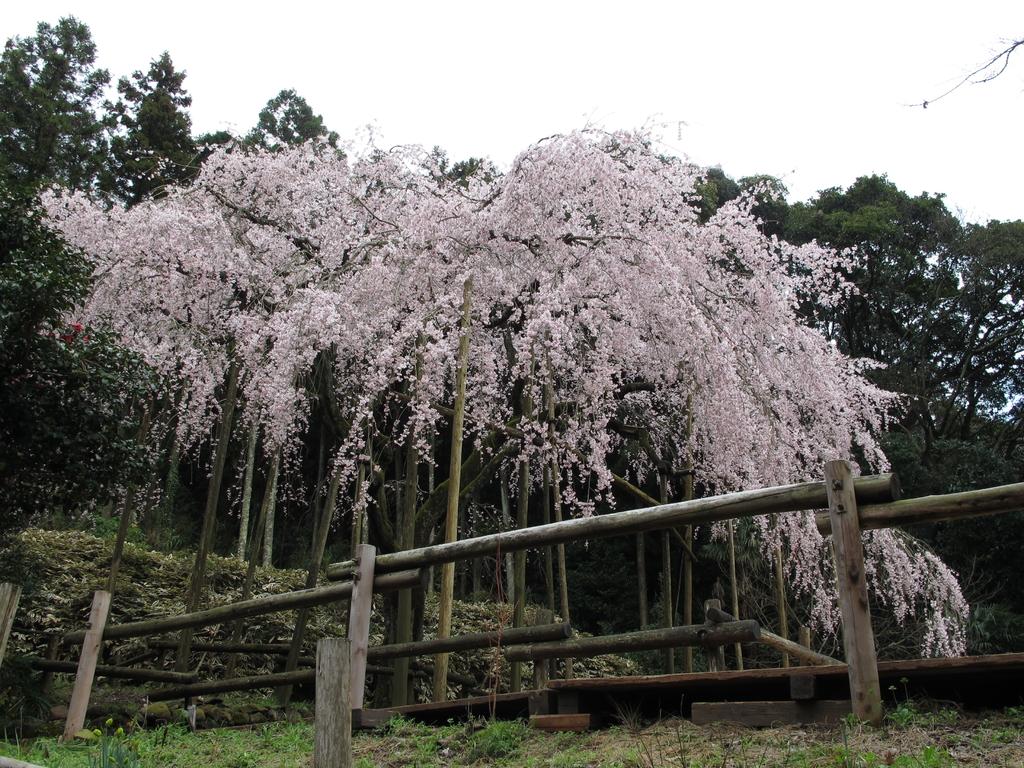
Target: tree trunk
[
  {"x": 250, "y": 466},
  {"x": 641, "y": 580},
  {"x": 780, "y": 599},
  {"x": 519, "y": 559},
  {"x": 734, "y": 588},
  {"x": 451, "y": 529},
  {"x": 198, "y": 579},
  {"x": 509, "y": 590},
  {"x": 400, "y": 691},
  {"x": 667, "y": 607},
  {"x": 316, "y": 557},
  {"x": 556, "y": 507},
  {"x": 255, "y": 544},
  {"x": 549, "y": 554}
]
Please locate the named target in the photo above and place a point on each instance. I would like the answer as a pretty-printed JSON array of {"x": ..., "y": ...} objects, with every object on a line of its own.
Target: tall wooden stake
[
  {"x": 549, "y": 554},
  {"x": 359, "y": 620},
  {"x": 451, "y": 528},
  {"x": 668, "y": 616},
  {"x": 87, "y": 664},
  {"x": 735, "y": 589},
  {"x": 250, "y": 469},
  {"x": 858, "y": 637},
  {"x": 332, "y": 742},
  {"x": 556, "y": 507},
  {"x": 641, "y": 580},
  {"x": 406, "y": 540},
  {"x": 519, "y": 559},
  {"x": 198, "y": 579},
  {"x": 688, "y": 547},
  {"x": 780, "y": 599}
]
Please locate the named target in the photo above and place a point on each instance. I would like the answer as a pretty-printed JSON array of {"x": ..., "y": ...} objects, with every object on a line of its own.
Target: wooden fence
[{"x": 853, "y": 504}]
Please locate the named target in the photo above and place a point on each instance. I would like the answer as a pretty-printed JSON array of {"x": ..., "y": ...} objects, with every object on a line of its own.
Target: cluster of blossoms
[{"x": 594, "y": 284}]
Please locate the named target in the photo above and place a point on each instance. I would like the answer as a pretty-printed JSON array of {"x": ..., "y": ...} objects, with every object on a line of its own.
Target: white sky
[{"x": 812, "y": 92}]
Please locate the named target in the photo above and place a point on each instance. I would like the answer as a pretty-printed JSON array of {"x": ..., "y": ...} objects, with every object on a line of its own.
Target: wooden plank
[
  {"x": 91, "y": 645},
  {"x": 371, "y": 719},
  {"x": 813, "y": 658},
  {"x": 764, "y": 714},
  {"x": 759, "y": 501},
  {"x": 858, "y": 637},
  {"x": 568, "y": 703},
  {"x": 332, "y": 740},
  {"x": 542, "y": 702},
  {"x": 359, "y": 620},
  {"x": 578, "y": 723},
  {"x": 10, "y": 594}
]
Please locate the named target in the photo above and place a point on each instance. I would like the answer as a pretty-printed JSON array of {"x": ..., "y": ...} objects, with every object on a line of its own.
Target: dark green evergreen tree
[
  {"x": 287, "y": 120},
  {"x": 153, "y": 144},
  {"x": 50, "y": 131}
]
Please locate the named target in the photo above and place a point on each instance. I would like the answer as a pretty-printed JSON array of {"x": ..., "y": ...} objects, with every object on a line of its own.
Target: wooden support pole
[
  {"x": 52, "y": 652},
  {"x": 667, "y": 604},
  {"x": 716, "y": 654},
  {"x": 91, "y": 644},
  {"x": 332, "y": 743},
  {"x": 541, "y": 667},
  {"x": 858, "y": 637},
  {"x": 780, "y": 600},
  {"x": 715, "y": 615},
  {"x": 804, "y": 635},
  {"x": 734, "y": 588},
  {"x": 10, "y": 594},
  {"x": 641, "y": 580},
  {"x": 451, "y": 525},
  {"x": 359, "y": 620}
]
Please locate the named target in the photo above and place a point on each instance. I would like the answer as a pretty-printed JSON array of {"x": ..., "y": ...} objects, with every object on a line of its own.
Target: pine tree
[
  {"x": 153, "y": 146},
  {"x": 50, "y": 131}
]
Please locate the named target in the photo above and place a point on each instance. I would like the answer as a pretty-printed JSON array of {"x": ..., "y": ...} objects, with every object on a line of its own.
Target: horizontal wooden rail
[
  {"x": 125, "y": 673},
  {"x": 934, "y": 509},
  {"x": 233, "y": 684},
  {"x": 286, "y": 601},
  {"x": 271, "y": 649},
  {"x": 761, "y": 501},
  {"x": 505, "y": 637},
  {"x": 274, "y": 680},
  {"x": 644, "y": 640}
]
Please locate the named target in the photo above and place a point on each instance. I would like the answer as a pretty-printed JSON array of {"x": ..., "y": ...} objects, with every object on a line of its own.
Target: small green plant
[
  {"x": 115, "y": 751},
  {"x": 499, "y": 738}
]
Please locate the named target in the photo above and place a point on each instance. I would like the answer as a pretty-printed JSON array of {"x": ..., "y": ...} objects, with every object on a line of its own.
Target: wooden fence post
[
  {"x": 10, "y": 594},
  {"x": 359, "y": 620},
  {"x": 715, "y": 654},
  {"x": 332, "y": 746},
  {"x": 87, "y": 664},
  {"x": 858, "y": 638}
]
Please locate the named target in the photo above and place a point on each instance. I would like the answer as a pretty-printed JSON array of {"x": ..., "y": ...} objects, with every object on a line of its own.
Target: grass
[{"x": 916, "y": 737}]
